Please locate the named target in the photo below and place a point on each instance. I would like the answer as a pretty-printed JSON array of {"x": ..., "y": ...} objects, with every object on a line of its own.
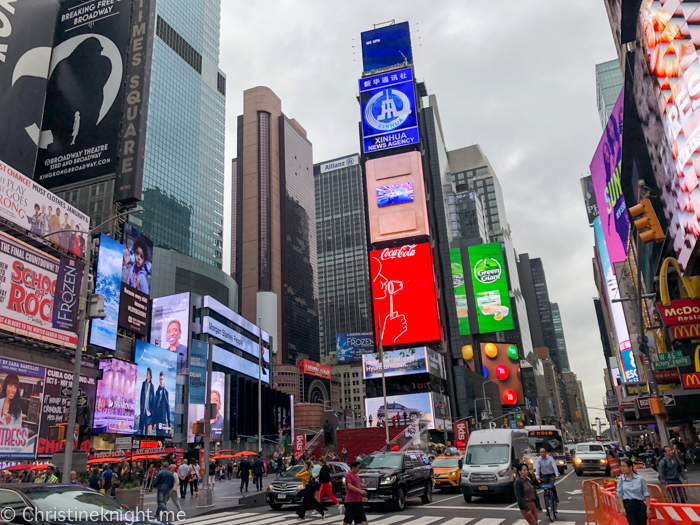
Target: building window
[{"x": 265, "y": 208}]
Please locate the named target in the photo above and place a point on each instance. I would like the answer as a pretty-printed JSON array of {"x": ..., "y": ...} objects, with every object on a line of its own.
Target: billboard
[
  {"x": 419, "y": 408},
  {"x": 399, "y": 193},
  {"x": 198, "y": 372},
  {"x": 108, "y": 282},
  {"x": 84, "y": 97},
  {"x": 501, "y": 364},
  {"x": 20, "y": 408},
  {"x": 352, "y": 346},
  {"x": 137, "y": 267},
  {"x": 408, "y": 361},
  {"x": 155, "y": 405},
  {"x": 386, "y": 46},
  {"x": 115, "y": 403},
  {"x": 460, "y": 290},
  {"x": 133, "y": 310},
  {"x": 239, "y": 364},
  {"x": 589, "y": 198},
  {"x": 606, "y": 170},
  {"x": 314, "y": 369},
  {"x": 64, "y": 315},
  {"x": 170, "y": 326},
  {"x": 195, "y": 412},
  {"x": 403, "y": 294},
  {"x": 234, "y": 338},
  {"x": 400, "y": 220},
  {"x": 27, "y": 286},
  {"x": 25, "y": 53},
  {"x": 488, "y": 273},
  {"x": 389, "y": 117}
]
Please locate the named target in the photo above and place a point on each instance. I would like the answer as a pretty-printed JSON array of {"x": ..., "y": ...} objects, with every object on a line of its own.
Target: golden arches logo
[{"x": 685, "y": 331}]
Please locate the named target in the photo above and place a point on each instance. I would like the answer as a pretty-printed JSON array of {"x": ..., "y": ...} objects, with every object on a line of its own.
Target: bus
[{"x": 547, "y": 437}]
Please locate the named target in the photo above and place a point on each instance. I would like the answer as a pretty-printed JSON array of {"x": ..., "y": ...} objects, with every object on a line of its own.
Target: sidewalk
[{"x": 651, "y": 476}]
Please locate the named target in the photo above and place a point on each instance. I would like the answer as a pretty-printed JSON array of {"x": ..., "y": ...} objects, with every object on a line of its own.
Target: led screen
[
  {"x": 352, "y": 346},
  {"x": 396, "y": 363},
  {"x": 155, "y": 404},
  {"x": 460, "y": 291},
  {"x": 196, "y": 412},
  {"x": 488, "y": 273},
  {"x": 137, "y": 267},
  {"x": 116, "y": 395},
  {"x": 403, "y": 293},
  {"x": 399, "y": 193},
  {"x": 501, "y": 364},
  {"x": 108, "y": 283},
  {"x": 170, "y": 326},
  {"x": 386, "y": 47},
  {"x": 424, "y": 408}
]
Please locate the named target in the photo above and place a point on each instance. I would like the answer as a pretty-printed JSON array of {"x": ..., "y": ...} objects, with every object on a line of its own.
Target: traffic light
[
  {"x": 473, "y": 421},
  {"x": 648, "y": 224}
]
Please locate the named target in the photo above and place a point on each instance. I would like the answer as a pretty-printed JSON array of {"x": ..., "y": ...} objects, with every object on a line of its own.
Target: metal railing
[{"x": 682, "y": 494}]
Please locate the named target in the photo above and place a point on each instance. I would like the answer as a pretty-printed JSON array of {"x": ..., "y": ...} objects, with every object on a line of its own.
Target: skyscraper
[
  {"x": 559, "y": 333},
  {"x": 343, "y": 267},
  {"x": 274, "y": 227},
  {"x": 608, "y": 84}
]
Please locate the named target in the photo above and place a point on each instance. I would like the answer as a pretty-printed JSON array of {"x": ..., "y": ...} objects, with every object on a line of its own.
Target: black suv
[
  {"x": 394, "y": 476},
  {"x": 287, "y": 488}
]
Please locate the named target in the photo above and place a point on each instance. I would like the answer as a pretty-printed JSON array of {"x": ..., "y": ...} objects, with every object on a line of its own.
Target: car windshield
[
  {"x": 549, "y": 443},
  {"x": 293, "y": 471},
  {"x": 446, "y": 462},
  {"x": 484, "y": 454},
  {"x": 388, "y": 461},
  {"x": 76, "y": 501},
  {"x": 590, "y": 448}
]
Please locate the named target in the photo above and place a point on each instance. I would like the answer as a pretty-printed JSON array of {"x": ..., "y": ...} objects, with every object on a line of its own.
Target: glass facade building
[
  {"x": 608, "y": 85},
  {"x": 561, "y": 340}
]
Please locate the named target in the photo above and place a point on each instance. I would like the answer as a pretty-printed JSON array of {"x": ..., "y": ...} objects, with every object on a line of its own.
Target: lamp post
[{"x": 381, "y": 359}]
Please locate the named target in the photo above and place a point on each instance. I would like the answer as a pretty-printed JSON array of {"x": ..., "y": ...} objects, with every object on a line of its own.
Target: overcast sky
[{"x": 516, "y": 77}]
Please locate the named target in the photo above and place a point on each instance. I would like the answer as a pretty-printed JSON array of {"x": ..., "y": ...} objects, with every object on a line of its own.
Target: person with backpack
[
  {"x": 193, "y": 478},
  {"x": 308, "y": 502}
]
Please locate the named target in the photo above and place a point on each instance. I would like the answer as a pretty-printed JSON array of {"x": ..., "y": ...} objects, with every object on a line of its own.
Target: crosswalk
[{"x": 332, "y": 518}]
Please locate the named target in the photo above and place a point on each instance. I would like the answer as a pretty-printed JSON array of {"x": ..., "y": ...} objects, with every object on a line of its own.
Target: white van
[{"x": 490, "y": 462}]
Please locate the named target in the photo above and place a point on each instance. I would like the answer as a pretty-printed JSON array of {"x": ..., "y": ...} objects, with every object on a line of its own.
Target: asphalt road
[{"x": 446, "y": 509}]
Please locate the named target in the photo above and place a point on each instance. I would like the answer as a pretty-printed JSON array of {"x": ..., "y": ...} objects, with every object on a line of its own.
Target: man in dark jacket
[
  {"x": 671, "y": 472},
  {"x": 164, "y": 483},
  {"x": 258, "y": 471},
  {"x": 244, "y": 471}
]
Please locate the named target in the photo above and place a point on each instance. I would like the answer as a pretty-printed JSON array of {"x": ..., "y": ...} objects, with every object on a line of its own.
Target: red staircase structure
[{"x": 361, "y": 441}]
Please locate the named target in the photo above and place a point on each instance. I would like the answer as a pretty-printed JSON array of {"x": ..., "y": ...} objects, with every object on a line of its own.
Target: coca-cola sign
[{"x": 397, "y": 253}]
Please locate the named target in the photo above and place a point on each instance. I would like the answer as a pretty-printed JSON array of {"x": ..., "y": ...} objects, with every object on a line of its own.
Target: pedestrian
[
  {"x": 164, "y": 484},
  {"x": 244, "y": 470},
  {"x": 73, "y": 478},
  {"x": 633, "y": 496},
  {"x": 193, "y": 478},
  {"x": 370, "y": 421},
  {"x": 345, "y": 454},
  {"x": 528, "y": 502},
  {"x": 405, "y": 418},
  {"x": 324, "y": 479},
  {"x": 152, "y": 472},
  {"x": 182, "y": 473},
  {"x": 106, "y": 484},
  {"x": 176, "y": 481},
  {"x": 258, "y": 471},
  {"x": 547, "y": 471},
  {"x": 308, "y": 501},
  {"x": 94, "y": 479},
  {"x": 138, "y": 472},
  {"x": 354, "y": 512},
  {"x": 671, "y": 472},
  {"x": 229, "y": 470}
]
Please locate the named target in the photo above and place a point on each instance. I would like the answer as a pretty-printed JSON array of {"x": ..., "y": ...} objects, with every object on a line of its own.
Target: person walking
[
  {"x": 547, "y": 471},
  {"x": 164, "y": 484},
  {"x": 258, "y": 471},
  {"x": 193, "y": 478},
  {"x": 308, "y": 501},
  {"x": 182, "y": 472},
  {"x": 173, "y": 491},
  {"x": 671, "y": 472},
  {"x": 324, "y": 478},
  {"x": 244, "y": 470},
  {"x": 354, "y": 512},
  {"x": 345, "y": 454},
  {"x": 633, "y": 496},
  {"x": 106, "y": 484},
  {"x": 528, "y": 502}
]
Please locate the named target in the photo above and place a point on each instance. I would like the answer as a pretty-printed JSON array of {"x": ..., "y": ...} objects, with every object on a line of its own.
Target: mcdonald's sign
[
  {"x": 691, "y": 380},
  {"x": 684, "y": 331},
  {"x": 682, "y": 311}
]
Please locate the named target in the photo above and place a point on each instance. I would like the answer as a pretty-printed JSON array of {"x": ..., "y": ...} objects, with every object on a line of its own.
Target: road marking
[
  {"x": 211, "y": 518},
  {"x": 467, "y": 507},
  {"x": 490, "y": 521},
  {"x": 458, "y": 521},
  {"x": 569, "y": 474},
  {"x": 444, "y": 499},
  {"x": 575, "y": 492},
  {"x": 425, "y": 520},
  {"x": 393, "y": 519}
]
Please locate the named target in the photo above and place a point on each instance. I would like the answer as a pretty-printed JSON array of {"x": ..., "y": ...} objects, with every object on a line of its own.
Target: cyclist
[{"x": 547, "y": 471}]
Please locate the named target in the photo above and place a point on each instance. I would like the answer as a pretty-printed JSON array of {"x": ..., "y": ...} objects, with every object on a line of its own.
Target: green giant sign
[
  {"x": 460, "y": 290},
  {"x": 488, "y": 273}
]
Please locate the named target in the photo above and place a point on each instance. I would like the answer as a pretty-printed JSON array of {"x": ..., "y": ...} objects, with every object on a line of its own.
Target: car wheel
[
  {"x": 400, "y": 499},
  {"x": 275, "y": 506},
  {"x": 578, "y": 472},
  {"x": 467, "y": 498},
  {"x": 428, "y": 496}
]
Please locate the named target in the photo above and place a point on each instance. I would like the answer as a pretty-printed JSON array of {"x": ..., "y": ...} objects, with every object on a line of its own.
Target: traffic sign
[
  {"x": 669, "y": 360},
  {"x": 492, "y": 424},
  {"x": 669, "y": 400},
  {"x": 643, "y": 402}
]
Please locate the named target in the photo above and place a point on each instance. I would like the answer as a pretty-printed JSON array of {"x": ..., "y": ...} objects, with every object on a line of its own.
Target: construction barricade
[
  {"x": 602, "y": 507},
  {"x": 674, "y": 513},
  {"x": 682, "y": 494}
]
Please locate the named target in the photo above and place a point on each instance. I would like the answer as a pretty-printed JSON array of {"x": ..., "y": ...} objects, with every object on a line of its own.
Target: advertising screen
[
  {"x": 386, "y": 46},
  {"x": 108, "y": 283},
  {"x": 399, "y": 193},
  {"x": 313, "y": 368},
  {"x": 396, "y": 363},
  {"x": 605, "y": 173},
  {"x": 442, "y": 414},
  {"x": 589, "y": 198},
  {"x": 138, "y": 256},
  {"x": 80, "y": 130},
  {"x": 170, "y": 326},
  {"x": 115, "y": 403},
  {"x": 352, "y": 346},
  {"x": 20, "y": 403},
  {"x": 501, "y": 364},
  {"x": 403, "y": 293},
  {"x": 196, "y": 412},
  {"x": 64, "y": 314},
  {"x": 388, "y": 103},
  {"x": 27, "y": 286},
  {"x": 240, "y": 364},
  {"x": 488, "y": 273},
  {"x": 417, "y": 407},
  {"x": 155, "y": 405},
  {"x": 133, "y": 310},
  {"x": 229, "y": 335},
  {"x": 460, "y": 290},
  {"x": 198, "y": 372}
]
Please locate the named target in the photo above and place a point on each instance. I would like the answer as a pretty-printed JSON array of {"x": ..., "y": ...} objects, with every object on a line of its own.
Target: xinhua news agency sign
[{"x": 670, "y": 360}]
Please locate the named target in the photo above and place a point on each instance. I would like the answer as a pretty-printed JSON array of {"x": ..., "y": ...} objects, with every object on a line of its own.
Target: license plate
[
  {"x": 281, "y": 496},
  {"x": 370, "y": 488},
  {"x": 483, "y": 487}
]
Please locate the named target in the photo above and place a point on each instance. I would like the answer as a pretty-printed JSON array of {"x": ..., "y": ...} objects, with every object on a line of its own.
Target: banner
[
  {"x": 195, "y": 412},
  {"x": 461, "y": 434},
  {"x": 488, "y": 273},
  {"x": 170, "y": 326},
  {"x": 299, "y": 443},
  {"x": 20, "y": 408},
  {"x": 108, "y": 283},
  {"x": 460, "y": 290},
  {"x": 352, "y": 346},
  {"x": 198, "y": 372},
  {"x": 314, "y": 369},
  {"x": 234, "y": 338},
  {"x": 27, "y": 286},
  {"x": 66, "y": 301},
  {"x": 589, "y": 198},
  {"x": 25, "y": 55},
  {"x": 85, "y": 93},
  {"x": 116, "y": 397},
  {"x": 156, "y": 377}
]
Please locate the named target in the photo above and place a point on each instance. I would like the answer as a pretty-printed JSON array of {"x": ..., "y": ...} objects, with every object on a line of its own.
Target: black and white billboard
[
  {"x": 26, "y": 37},
  {"x": 80, "y": 131}
]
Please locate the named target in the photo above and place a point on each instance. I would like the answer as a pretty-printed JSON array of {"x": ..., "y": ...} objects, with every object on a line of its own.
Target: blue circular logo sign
[{"x": 387, "y": 110}]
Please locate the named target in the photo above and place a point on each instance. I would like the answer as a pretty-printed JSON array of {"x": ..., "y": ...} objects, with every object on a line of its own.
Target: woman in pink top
[{"x": 354, "y": 512}]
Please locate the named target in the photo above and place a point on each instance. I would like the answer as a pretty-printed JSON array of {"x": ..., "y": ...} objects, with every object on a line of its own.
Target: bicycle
[{"x": 550, "y": 502}]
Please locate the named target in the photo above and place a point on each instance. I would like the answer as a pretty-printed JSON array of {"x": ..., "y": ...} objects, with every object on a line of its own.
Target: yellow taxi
[{"x": 447, "y": 471}]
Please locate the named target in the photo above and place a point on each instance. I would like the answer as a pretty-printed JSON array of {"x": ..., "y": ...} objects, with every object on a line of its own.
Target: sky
[{"x": 517, "y": 78}]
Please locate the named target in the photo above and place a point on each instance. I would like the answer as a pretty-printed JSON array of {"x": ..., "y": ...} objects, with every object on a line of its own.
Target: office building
[
  {"x": 551, "y": 402},
  {"x": 577, "y": 403},
  {"x": 470, "y": 216},
  {"x": 561, "y": 340},
  {"x": 352, "y": 391},
  {"x": 274, "y": 227},
  {"x": 343, "y": 262},
  {"x": 608, "y": 85}
]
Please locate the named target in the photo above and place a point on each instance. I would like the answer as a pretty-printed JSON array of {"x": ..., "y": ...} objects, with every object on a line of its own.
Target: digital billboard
[
  {"x": 501, "y": 364},
  {"x": 488, "y": 274},
  {"x": 64, "y": 314},
  {"x": 386, "y": 46},
  {"x": 108, "y": 283},
  {"x": 195, "y": 412},
  {"x": 234, "y": 338},
  {"x": 606, "y": 170},
  {"x": 21, "y": 397},
  {"x": 589, "y": 198},
  {"x": 198, "y": 372},
  {"x": 389, "y": 117},
  {"x": 460, "y": 290},
  {"x": 399, "y": 193},
  {"x": 138, "y": 256},
  {"x": 408, "y": 361},
  {"x": 156, "y": 376},
  {"x": 239, "y": 364},
  {"x": 418, "y": 408},
  {"x": 27, "y": 286},
  {"x": 352, "y": 346},
  {"x": 403, "y": 294},
  {"x": 115, "y": 403},
  {"x": 170, "y": 326}
]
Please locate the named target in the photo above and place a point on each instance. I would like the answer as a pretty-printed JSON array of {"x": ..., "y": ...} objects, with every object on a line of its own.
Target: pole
[
  {"x": 82, "y": 334},
  {"x": 205, "y": 497},
  {"x": 260, "y": 365},
  {"x": 381, "y": 359}
]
